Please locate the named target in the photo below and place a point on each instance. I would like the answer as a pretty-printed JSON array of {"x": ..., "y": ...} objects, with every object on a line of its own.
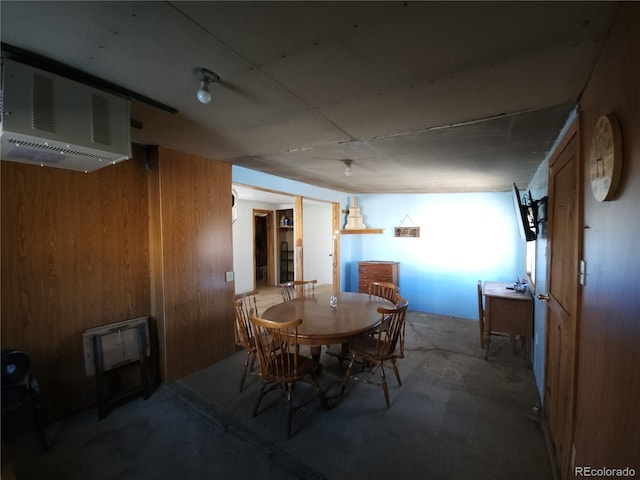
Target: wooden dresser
[{"x": 376, "y": 271}]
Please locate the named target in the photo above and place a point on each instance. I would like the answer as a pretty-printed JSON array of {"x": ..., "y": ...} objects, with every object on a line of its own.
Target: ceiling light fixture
[
  {"x": 206, "y": 77},
  {"x": 347, "y": 164}
]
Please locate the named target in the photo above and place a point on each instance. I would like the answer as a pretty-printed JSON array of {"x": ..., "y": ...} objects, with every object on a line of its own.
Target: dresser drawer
[
  {"x": 373, "y": 270},
  {"x": 382, "y": 277},
  {"x": 364, "y": 284},
  {"x": 376, "y": 271}
]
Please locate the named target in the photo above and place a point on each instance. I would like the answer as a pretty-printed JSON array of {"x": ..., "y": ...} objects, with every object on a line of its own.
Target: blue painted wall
[
  {"x": 279, "y": 184},
  {"x": 463, "y": 238}
]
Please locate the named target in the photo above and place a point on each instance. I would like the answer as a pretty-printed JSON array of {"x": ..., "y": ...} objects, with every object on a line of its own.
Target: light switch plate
[{"x": 229, "y": 276}]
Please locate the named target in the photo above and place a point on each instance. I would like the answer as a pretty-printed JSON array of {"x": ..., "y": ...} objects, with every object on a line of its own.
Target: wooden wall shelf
[{"x": 367, "y": 230}]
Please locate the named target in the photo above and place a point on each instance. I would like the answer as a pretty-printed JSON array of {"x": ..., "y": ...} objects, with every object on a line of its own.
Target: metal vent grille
[
  {"x": 22, "y": 149},
  {"x": 100, "y": 125},
  {"x": 61, "y": 123},
  {"x": 42, "y": 114}
]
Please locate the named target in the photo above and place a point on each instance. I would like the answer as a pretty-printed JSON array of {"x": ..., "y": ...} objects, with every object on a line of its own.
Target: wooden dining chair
[
  {"x": 298, "y": 289},
  {"x": 387, "y": 346},
  {"x": 283, "y": 367},
  {"x": 386, "y": 290},
  {"x": 245, "y": 305},
  {"x": 401, "y": 302}
]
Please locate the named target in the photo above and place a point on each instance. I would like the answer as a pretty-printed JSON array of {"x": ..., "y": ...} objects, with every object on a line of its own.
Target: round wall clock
[{"x": 606, "y": 158}]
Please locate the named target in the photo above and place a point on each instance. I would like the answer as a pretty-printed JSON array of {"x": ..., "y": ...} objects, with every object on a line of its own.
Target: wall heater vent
[{"x": 49, "y": 120}]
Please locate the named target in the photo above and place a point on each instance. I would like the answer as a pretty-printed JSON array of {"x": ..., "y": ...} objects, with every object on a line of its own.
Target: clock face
[{"x": 606, "y": 158}]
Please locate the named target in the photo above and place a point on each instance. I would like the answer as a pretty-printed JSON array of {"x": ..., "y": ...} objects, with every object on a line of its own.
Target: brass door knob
[{"x": 543, "y": 296}]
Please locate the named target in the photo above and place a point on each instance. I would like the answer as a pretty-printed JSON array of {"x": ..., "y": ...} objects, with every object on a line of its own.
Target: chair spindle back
[
  {"x": 386, "y": 290},
  {"x": 298, "y": 289}
]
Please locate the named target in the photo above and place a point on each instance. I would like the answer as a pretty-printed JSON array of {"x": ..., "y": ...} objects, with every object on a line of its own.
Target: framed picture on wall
[{"x": 409, "y": 232}]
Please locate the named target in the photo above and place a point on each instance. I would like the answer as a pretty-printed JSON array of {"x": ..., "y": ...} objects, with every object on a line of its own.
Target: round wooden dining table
[{"x": 322, "y": 324}]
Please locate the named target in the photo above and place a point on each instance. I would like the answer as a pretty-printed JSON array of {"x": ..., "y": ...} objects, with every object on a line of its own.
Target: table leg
[{"x": 316, "y": 350}]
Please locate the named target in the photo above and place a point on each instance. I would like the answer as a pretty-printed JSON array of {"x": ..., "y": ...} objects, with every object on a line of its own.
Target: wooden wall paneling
[
  {"x": 195, "y": 216},
  {"x": 74, "y": 255},
  {"x": 156, "y": 271},
  {"x": 607, "y": 430}
]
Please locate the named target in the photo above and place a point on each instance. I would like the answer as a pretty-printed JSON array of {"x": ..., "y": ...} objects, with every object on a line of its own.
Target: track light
[
  {"x": 206, "y": 77},
  {"x": 347, "y": 165}
]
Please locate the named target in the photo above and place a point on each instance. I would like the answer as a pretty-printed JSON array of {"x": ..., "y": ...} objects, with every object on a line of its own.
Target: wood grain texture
[
  {"x": 74, "y": 256},
  {"x": 298, "y": 212},
  {"x": 562, "y": 319},
  {"x": 195, "y": 252},
  {"x": 377, "y": 271},
  {"x": 81, "y": 250},
  {"x": 335, "y": 228},
  {"x": 607, "y": 419},
  {"x": 156, "y": 271}
]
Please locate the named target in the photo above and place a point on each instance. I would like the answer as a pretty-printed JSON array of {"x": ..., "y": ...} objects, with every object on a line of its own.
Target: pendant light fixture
[
  {"x": 206, "y": 77},
  {"x": 347, "y": 166}
]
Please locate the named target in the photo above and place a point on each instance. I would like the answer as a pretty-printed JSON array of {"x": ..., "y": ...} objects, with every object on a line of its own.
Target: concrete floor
[{"x": 456, "y": 416}]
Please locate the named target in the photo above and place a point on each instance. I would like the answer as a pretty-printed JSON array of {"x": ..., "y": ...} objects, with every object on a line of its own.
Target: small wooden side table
[{"x": 507, "y": 311}]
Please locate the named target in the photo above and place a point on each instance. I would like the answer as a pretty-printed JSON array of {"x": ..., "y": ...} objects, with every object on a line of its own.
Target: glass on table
[{"x": 333, "y": 301}]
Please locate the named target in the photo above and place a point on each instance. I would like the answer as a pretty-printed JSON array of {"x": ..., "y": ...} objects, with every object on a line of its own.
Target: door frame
[
  {"x": 299, "y": 215},
  {"x": 335, "y": 258},
  {"x": 336, "y": 212},
  {"x": 269, "y": 215},
  {"x": 561, "y": 465}
]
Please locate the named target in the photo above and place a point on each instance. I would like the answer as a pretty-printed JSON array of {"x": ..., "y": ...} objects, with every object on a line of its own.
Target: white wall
[
  {"x": 318, "y": 242},
  {"x": 317, "y": 235},
  {"x": 243, "y": 243}
]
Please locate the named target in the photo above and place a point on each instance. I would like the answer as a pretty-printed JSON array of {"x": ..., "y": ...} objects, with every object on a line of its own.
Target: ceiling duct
[{"x": 49, "y": 120}]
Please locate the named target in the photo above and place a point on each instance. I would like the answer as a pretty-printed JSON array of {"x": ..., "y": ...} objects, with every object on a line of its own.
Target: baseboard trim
[{"x": 551, "y": 451}]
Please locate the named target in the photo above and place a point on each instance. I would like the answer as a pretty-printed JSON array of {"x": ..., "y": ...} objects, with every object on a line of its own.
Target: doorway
[
  {"x": 562, "y": 315},
  {"x": 321, "y": 226},
  {"x": 263, "y": 262}
]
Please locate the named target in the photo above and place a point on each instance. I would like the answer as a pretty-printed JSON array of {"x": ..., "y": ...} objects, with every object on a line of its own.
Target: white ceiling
[{"x": 421, "y": 96}]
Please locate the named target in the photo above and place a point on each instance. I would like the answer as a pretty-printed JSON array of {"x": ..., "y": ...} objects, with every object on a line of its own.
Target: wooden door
[{"x": 564, "y": 240}]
